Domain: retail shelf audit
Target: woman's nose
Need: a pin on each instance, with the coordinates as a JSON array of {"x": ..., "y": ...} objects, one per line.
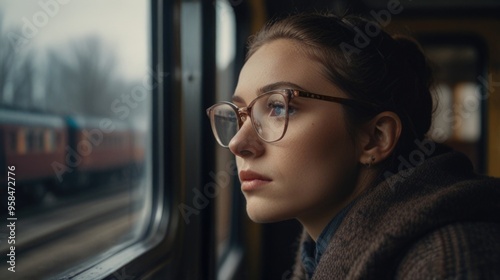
[{"x": 246, "y": 143}]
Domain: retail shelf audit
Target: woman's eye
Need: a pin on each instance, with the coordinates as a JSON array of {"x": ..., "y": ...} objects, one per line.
[{"x": 277, "y": 109}]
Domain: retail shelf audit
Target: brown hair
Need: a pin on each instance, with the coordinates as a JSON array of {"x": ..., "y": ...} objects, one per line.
[{"x": 365, "y": 62}]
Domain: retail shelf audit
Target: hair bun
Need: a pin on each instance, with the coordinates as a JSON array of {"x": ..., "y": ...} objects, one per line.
[
  {"x": 411, "y": 58},
  {"x": 412, "y": 52}
]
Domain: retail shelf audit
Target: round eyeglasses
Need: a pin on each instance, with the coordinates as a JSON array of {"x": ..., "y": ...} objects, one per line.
[{"x": 268, "y": 113}]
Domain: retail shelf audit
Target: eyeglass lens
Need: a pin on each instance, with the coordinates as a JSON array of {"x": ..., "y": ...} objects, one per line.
[
  {"x": 224, "y": 123},
  {"x": 268, "y": 114}
]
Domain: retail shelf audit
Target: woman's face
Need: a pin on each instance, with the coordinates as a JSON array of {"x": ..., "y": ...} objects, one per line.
[{"x": 311, "y": 172}]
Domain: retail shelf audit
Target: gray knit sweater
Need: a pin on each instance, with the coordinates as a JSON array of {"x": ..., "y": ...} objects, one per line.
[{"x": 438, "y": 221}]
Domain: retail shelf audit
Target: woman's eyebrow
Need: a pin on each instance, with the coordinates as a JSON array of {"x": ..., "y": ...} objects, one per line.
[
  {"x": 268, "y": 88},
  {"x": 237, "y": 99},
  {"x": 278, "y": 85}
]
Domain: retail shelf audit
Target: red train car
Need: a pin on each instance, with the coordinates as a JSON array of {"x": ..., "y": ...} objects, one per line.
[
  {"x": 52, "y": 153},
  {"x": 96, "y": 148},
  {"x": 31, "y": 142}
]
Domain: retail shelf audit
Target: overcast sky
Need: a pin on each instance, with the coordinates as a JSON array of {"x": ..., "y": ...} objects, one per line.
[{"x": 122, "y": 24}]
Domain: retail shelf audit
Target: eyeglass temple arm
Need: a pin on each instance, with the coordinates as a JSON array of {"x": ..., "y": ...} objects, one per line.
[{"x": 345, "y": 101}]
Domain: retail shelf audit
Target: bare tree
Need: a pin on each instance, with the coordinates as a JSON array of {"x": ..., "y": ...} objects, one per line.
[
  {"x": 17, "y": 70},
  {"x": 23, "y": 80},
  {"x": 57, "y": 100},
  {"x": 7, "y": 55},
  {"x": 80, "y": 78},
  {"x": 84, "y": 80}
]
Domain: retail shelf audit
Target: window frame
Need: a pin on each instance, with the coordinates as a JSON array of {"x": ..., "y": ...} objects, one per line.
[
  {"x": 183, "y": 155},
  {"x": 177, "y": 167}
]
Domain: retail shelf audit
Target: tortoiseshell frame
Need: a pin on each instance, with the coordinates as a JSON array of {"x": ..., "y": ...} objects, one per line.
[{"x": 288, "y": 94}]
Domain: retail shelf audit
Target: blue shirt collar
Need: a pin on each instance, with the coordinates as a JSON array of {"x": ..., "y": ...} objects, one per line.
[{"x": 312, "y": 251}]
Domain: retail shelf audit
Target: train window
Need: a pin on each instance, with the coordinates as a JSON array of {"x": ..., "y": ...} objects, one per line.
[
  {"x": 38, "y": 137},
  {"x": 458, "y": 115},
  {"x": 13, "y": 141},
  {"x": 21, "y": 144},
  {"x": 50, "y": 141},
  {"x": 46, "y": 143},
  {"x": 30, "y": 140},
  {"x": 75, "y": 92},
  {"x": 57, "y": 139},
  {"x": 40, "y": 142}
]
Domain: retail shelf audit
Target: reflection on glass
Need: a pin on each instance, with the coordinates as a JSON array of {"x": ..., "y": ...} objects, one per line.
[{"x": 75, "y": 92}]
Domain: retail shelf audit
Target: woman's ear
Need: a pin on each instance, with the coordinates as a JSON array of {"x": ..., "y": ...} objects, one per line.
[{"x": 379, "y": 137}]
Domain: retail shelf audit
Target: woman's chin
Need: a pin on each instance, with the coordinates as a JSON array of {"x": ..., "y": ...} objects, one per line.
[{"x": 262, "y": 215}]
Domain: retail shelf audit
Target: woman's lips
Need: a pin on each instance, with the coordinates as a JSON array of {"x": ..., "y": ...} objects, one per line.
[{"x": 251, "y": 180}]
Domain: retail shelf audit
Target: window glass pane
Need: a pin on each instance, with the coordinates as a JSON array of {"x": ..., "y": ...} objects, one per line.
[
  {"x": 13, "y": 141},
  {"x": 75, "y": 94}
]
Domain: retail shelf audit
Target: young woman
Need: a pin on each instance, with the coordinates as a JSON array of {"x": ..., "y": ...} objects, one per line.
[{"x": 328, "y": 127}]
